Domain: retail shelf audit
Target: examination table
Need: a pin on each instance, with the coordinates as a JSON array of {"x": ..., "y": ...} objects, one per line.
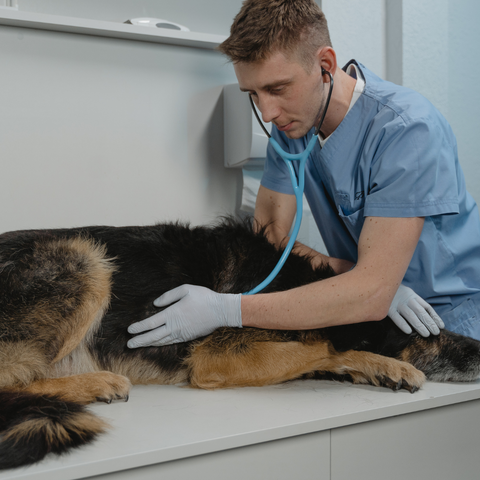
[{"x": 299, "y": 430}]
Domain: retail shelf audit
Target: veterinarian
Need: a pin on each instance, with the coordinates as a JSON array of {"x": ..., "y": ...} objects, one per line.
[{"x": 383, "y": 183}]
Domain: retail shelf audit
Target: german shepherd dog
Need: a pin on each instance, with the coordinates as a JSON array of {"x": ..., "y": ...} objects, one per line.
[{"x": 67, "y": 297}]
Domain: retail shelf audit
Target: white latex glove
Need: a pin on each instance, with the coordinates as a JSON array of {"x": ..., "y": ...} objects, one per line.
[
  {"x": 198, "y": 312},
  {"x": 409, "y": 310}
]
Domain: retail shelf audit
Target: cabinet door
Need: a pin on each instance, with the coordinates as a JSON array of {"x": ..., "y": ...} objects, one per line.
[
  {"x": 436, "y": 444},
  {"x": 305, "y": 457}
]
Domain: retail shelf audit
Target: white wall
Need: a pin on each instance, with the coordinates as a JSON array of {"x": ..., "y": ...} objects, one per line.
[
  {"x": 425, "y": 49},
  {"x": 357, "y": 30},
  {"x": 462, "y": 65},
  {"x": 441, "y": 60},
  {"x": 106, "y": 131}
]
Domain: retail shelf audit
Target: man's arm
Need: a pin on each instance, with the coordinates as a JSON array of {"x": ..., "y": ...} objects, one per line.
[
  {"x": 386, "y": 246},
  {"x": 277, "y": 211}
]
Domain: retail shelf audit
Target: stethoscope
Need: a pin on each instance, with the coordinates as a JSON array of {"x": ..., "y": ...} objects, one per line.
[{"x": 298, "y": 184}]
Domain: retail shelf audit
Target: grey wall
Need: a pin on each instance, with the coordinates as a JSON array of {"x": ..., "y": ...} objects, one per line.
[{"x": 106, "y": 131}]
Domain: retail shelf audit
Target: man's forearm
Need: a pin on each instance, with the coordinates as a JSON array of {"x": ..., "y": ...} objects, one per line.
[
  {"x": 317, "y": 258},
  {"x": 333, "y": 301}
]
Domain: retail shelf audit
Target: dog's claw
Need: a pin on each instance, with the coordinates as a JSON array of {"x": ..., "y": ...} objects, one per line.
[
  {"x": 389, "y": 383},
  {"x": 105, "y": 400},
  {"x": 410, "y": 388},
  {"x": 396, "y": 386}
]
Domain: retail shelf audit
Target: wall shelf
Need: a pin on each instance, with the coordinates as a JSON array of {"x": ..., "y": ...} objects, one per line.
[{"x": 14, "y": 18}]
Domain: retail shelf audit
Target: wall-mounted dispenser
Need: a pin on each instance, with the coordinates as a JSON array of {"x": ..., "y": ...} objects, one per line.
[{"x": 245, "y": 142}]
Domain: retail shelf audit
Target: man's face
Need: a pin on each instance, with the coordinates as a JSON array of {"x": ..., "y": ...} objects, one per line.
[{"x": 284, "y": 92}]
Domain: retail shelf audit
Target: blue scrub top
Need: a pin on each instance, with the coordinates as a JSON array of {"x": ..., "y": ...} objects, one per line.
[{"x": 395, "y": 155}]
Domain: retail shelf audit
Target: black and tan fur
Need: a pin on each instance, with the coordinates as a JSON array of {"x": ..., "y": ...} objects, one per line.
[{"x": 68, "y": 296}]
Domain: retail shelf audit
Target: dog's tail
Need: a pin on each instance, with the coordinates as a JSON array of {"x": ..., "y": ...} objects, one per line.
[
  {"x": 447, "y": 357},
  {"x": 31, "y": 426}
]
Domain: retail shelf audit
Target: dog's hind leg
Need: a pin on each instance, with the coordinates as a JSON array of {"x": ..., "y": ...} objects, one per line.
[
  {"x": 54, "y": 295},
  {"x": 84, "y": 388},
  {"x": 223, "y": 362}
]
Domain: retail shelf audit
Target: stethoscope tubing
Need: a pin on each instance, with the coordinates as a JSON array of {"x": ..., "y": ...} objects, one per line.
[
  {"x": 297, "y": 184},
  {"x": 298, "y": 189}
]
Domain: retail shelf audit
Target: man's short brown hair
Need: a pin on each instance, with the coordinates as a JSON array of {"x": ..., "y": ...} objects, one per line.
[{"x": 263, "y": 27}]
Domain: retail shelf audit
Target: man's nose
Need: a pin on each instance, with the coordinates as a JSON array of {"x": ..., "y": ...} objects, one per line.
[{"x": 269, "y": 108}]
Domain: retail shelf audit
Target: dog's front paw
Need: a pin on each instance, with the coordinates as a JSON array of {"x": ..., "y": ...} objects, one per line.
[
  {"x": 107, "y": 387},
  {"x": 401, "y": 375},
  {"x": 366, "y": 367}
]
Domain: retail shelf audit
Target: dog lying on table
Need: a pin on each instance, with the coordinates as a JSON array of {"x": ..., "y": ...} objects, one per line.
[{"x": 68, "y": 296}]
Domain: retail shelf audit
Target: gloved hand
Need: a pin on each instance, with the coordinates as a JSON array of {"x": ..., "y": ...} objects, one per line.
[
  {"x": 409, "y": 310},
  {"x": 198, "y": 312}
]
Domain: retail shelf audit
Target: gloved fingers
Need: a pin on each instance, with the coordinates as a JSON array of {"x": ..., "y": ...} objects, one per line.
[
  {"x": 420, "y": 311},
  {"x": 149, "y": 339},
  {"x": 171, "y": 296},
  {"x": 168, "y": 340},
  {"x": 400, "y": 322},
  {"x": 412, "y": 318},
  {"x": 431, "y": 311},
  {"x": 149, "y": 323}
]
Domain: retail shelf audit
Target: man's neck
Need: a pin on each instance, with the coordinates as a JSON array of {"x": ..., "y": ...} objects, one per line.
[{"x": 344, "y": 85}]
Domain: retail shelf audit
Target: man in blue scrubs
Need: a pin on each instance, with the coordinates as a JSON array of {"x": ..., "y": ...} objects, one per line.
[{"x": 384, "y": 185}]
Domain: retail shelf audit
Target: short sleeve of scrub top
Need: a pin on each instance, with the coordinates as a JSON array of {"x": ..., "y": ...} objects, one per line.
[{"x": 411, "y": 172}]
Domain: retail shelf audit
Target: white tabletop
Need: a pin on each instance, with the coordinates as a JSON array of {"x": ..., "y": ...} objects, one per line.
[{"x": 162, "y": 423}]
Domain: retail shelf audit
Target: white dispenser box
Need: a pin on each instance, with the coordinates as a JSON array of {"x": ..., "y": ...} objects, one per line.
[{"x": 244, "y": 140}]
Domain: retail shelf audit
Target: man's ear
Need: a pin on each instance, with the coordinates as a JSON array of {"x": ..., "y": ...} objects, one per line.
[{"x": 327, "y": 59}]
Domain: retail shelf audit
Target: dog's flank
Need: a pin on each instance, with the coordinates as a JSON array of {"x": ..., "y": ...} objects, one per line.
[
  {"x": 69, "y": 295},
  {"x": 54, "y": 295}
]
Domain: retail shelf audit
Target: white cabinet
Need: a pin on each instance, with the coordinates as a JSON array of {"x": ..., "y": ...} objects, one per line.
[{"x": 302, "y": 430}]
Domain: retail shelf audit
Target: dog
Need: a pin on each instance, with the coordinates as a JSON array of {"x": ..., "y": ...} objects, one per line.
[{"x": 67, "y": 297}]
